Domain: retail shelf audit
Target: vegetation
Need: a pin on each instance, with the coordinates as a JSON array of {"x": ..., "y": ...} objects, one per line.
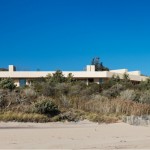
[
  {"x": 23, "y": 117},
  {"x": 56, "y": 98},
  {"x": 3, "y": 69},
  {"x": 7, "y": 84},
  {"x": 46, "y": 106},
  {"x": 98, "y": 65}
]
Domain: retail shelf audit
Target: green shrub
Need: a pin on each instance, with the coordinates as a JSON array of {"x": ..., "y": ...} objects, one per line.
[
  {"x": 7, "y": 83},
  {"x": 113, "y": 91},
  {"x": 2, "y": 101},
  {"x": 46, "y": 106},
  {"x": 37, "y": 84},
  {"x": 57, "y": 77}
]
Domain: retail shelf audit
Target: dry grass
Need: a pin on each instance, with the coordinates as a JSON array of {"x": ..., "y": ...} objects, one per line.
[
  {"x": 116, "y": 106},
  {"x": 102, "y": 118},
  {"x": 23, "y": 117}
]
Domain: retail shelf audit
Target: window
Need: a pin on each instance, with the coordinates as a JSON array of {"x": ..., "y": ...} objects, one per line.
[
  {"x": 90, "y": 80},
  {"x": 22, "y": 82},
  {"x": 101, "y": 80}
]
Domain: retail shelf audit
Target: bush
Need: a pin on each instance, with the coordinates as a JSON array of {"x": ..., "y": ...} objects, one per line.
[
  {"x": 14, "y": 98},
  {"x": 70, "y": 115},
  {"x": 145, "y": 97},
  {"x": 48, "y": 90},
  {"x": 144, "y": 85},
  {"x": 92, "y": 88},
  {"x": 113, "y": 91},
  {"x": 63, "y": 88},
  {"x": 77, "y": 89},
  {"x": 128, "y": 95},
  {"x": 102, "y": 118},
  {"x": 29, "y": 93},
  {"x": 37, "y": 84},
  {"x": 57, "y": 77},
  {"x": 7, "y": 83},
  {"x": 46, "y": 106},
  {"x": 2, "y": 101},
  {"x": 63, "y": 101}
]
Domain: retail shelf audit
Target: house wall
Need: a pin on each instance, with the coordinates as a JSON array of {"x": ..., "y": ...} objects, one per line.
[
  {"x": 16, "y": 81},
  {"x": 90, "y": 73}
]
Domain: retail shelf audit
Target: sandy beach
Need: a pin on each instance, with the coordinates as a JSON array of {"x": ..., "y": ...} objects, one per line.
[{"x": 71, "y": 135}]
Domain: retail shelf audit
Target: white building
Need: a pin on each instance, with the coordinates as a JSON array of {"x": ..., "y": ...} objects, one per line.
[{"x": 22, "y": 78}]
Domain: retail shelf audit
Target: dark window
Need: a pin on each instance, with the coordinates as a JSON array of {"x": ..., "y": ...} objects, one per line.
[
  {"x": 22, "y": 82},
  {"x": 101, "y": 80},
  {"x": 91, "y": 80}
]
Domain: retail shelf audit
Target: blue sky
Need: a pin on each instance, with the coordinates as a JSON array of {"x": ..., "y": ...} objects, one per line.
[{"x": 67, "y": 34}]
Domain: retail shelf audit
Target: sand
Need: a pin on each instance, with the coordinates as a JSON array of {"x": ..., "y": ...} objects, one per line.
[{"x": 71, "y": 135}]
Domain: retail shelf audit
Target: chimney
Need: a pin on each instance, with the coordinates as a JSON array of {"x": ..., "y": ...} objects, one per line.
[
  {"x": 12, "y": 68},
  {"x": 90, "y": 68}
]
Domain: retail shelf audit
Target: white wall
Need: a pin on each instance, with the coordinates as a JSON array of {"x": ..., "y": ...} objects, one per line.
[{"x": 90, "y": 73}]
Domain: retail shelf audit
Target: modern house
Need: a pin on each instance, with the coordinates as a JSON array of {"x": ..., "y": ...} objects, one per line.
[{"x": 22, "y": 78}]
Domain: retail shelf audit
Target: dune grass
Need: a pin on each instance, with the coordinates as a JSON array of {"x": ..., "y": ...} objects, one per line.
[
  {"x": 117, "y": 107},
  {"x": 23, "y": 117}
]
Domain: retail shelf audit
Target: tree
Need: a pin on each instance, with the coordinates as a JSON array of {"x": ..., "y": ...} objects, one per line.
[
  {"x": 126, "y": 81},
  {"x": 114, "y": 80},
  {"x": 57, "y": 77},
  {"x": 98, "y": 65},
  {"x": 70, "y": 78},
  {"x": 7, "y": 83}
]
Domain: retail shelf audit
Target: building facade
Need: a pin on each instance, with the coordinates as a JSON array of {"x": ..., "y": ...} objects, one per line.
[{"x": 22, "y": 78}]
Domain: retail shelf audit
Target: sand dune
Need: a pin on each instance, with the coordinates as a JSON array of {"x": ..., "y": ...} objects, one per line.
[{"x": 80, "y": 135}]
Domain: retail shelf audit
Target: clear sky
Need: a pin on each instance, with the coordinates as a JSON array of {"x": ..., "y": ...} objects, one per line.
[{"x": 67, "y": 34}]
